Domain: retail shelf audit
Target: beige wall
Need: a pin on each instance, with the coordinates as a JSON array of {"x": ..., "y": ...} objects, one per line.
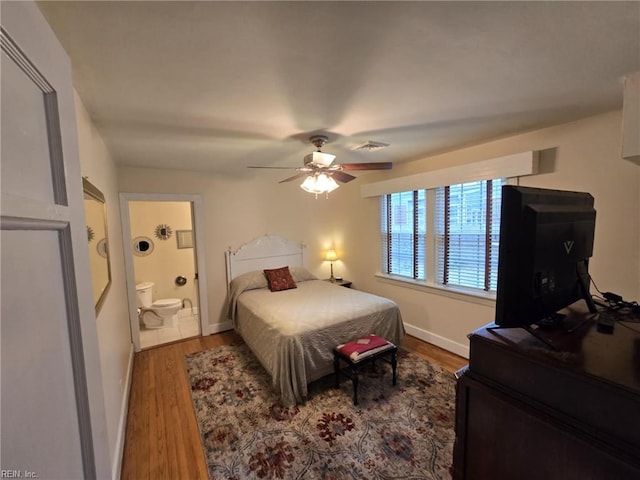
[
  {"x": 114, "y": 337},
  {"x": 582, "y": 155},
  {"x": 166, "y": 261}
]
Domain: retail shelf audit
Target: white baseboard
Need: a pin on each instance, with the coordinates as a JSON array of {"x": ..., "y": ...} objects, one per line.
[
  {"x": 438, "y": 341},
  {"x": 220, "y": 327},
  {"x": 122, "y": 424}
]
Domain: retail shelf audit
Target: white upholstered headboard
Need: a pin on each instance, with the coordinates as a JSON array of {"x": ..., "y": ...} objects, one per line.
[{"x": 268, "y": 251}]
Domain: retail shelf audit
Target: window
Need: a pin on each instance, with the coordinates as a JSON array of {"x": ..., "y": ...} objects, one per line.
[
  {"x": 462, "y": 232},
  {"x": 403, "y": 228},
  {"x": 467, "y": 218}
]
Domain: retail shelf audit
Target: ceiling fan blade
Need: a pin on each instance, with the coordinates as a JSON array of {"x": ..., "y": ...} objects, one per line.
[
  {"x": 368, "y": 166},
  {"x": 342, "y": 177},
  {"x": 290, "y": 179}
]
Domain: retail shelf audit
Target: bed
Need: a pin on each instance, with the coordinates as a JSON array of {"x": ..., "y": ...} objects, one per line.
[{"x": 292, "y": 332}]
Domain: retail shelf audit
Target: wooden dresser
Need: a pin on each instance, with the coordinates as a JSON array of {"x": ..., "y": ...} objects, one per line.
[{"x": 528, "y": 411}]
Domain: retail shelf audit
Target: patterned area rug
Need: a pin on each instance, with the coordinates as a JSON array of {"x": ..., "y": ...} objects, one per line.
[{"x": 397, "y": 432}]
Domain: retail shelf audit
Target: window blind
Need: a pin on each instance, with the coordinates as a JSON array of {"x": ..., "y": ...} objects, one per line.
[
  {"x": 467, "y": 234},
  {"x": 403, "y": 232}
]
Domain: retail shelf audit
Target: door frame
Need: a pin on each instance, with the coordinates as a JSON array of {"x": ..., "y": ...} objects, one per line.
[{"x": 198, "y": 227}]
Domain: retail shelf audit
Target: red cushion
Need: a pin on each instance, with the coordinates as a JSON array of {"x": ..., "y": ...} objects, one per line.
[
  {"x": 364, "y": 347},
  {"x": 279, "y": 279}
]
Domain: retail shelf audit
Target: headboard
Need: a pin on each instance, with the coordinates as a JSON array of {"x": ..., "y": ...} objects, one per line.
[{"x": 268, "y": 251}]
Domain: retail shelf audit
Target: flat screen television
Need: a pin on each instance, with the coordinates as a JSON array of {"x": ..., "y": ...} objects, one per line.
[{"x": 546, "y": 240}]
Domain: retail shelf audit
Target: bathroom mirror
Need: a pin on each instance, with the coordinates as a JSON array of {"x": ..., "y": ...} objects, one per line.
[{"x": 96, "y": 216}]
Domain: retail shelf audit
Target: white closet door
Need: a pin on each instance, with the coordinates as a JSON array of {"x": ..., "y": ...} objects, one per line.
[{"x": 46, "y": 425}]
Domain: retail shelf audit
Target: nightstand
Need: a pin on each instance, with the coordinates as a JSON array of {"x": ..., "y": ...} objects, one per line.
[{"x": 342, "y": 283}]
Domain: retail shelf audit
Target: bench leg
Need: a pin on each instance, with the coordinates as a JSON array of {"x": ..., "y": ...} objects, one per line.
[
  {"x": 394, "y": 364},
  {"x": 354, "y": 369},
  {"x": 355, "y": 380}
]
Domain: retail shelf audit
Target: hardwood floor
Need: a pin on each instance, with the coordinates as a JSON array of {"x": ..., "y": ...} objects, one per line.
[
  {"x": 162, "y": 438},
  {"x": 433, "y": 354}
]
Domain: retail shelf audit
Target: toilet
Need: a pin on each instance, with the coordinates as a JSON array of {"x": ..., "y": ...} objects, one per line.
[{"x": 159, "y": 314}]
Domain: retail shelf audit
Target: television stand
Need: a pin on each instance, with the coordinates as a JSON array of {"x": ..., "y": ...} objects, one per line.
[{"x": 528, "y": 412}]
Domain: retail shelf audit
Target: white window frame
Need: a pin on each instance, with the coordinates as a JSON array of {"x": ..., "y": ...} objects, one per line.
[
  {"x": 475, "y": 295},
  {"x": 510, "y": 167}
]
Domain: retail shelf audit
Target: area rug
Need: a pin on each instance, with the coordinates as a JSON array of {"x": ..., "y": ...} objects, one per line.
[{"x": 397, "y": 432}]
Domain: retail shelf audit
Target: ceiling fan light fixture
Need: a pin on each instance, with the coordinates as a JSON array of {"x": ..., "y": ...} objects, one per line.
[
  {"x": 320, "y": 172},
  {"x": 319, "y": 184}
]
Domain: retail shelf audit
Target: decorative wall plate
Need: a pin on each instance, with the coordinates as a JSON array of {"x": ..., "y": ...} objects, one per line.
[{"x": 163, "y": 232}]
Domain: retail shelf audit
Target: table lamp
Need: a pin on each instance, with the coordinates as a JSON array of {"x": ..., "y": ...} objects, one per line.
[{"x": 331, "y": 257}]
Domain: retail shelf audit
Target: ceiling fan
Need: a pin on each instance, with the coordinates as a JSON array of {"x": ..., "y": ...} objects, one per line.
[{"x": 318, "y": 163}]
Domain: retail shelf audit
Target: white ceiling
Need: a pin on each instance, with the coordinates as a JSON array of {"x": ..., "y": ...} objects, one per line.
[{"x": 219, "y": 86}]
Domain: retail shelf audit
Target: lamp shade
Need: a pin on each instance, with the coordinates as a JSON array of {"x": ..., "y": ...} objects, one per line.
[
  {"x": 331, "y": 256},
  {"x": 319, "y": 183},
  {"x": 309, "y": 184}
]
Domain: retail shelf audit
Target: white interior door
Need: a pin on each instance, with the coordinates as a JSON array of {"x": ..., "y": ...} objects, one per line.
[{"x": 46, "y": 412}]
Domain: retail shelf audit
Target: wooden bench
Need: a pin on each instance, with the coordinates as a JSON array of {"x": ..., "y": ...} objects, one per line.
[{"x": 358, "y": 353}]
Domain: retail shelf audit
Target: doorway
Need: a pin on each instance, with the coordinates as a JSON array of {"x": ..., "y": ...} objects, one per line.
[{"x": 161, "y": 238}]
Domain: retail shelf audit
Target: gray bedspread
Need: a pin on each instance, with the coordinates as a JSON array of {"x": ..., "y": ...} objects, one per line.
[{"x": 293, "y": 332}]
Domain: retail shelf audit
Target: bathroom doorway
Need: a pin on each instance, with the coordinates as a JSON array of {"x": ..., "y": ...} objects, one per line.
[{"x": 164, "y": 268}]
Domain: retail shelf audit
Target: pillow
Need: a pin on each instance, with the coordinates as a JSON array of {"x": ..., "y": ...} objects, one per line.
[
  {"x": 279, "y": 279},
  {"x": 301, "y": 274},
  {"x": 248, "y": 281}
]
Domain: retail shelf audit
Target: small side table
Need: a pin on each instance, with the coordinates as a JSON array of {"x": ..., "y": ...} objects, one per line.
[
  {"x": 353, "y": 368},
  {"x": 342, "y": 283}
]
